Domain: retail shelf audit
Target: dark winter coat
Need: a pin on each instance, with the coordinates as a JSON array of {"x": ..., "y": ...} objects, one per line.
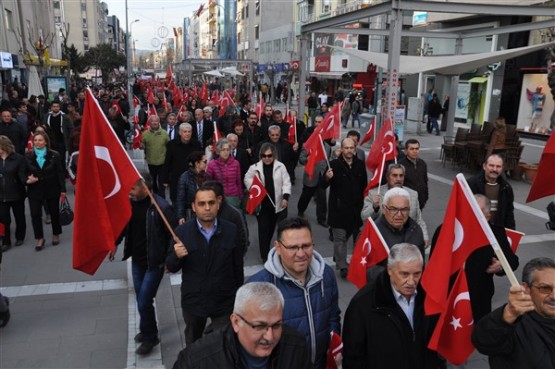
[
  {"x": 176, "y": 162},
  {"x": 51, "y": 177},
  {"x": 13, "y": 174}
]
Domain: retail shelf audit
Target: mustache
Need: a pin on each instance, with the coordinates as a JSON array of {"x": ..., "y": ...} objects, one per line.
[{"x": 263, "y": 342}]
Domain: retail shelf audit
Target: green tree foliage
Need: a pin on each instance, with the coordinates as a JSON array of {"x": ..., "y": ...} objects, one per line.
[
  {"x": 105, "y": 59},
  {"x": 75, "y": 60}
]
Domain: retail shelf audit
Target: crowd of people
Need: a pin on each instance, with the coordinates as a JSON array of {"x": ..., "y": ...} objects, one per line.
[{"x": 202, "y": 158}]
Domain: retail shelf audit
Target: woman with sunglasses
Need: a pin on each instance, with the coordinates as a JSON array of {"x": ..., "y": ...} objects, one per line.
[
  {"x": 45, "y": 183},
  {"x": 273, "y": 175}
]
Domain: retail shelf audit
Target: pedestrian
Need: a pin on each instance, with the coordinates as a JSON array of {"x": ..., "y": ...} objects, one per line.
[
  {"x": 273, "y": 175},
  {"x": 434, "y": 112},
  {"x": 188, "y": 184},
  {"x": 416, "y": 171},
  {"x": 60, "y": 128},
  {"x": 154, "y": 141},
  {"x": 225, "y": 169}
]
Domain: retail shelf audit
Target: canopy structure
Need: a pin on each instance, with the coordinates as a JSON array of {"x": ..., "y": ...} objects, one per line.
[
  {"x": 451, "y": 65},
  {"x": 215, "y": 73},
  {"x": 231, "y": 71},
  {"x": 35, "y": 88}
]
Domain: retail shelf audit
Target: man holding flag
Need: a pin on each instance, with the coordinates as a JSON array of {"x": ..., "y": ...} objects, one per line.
[{"x": 385, "y": 325}]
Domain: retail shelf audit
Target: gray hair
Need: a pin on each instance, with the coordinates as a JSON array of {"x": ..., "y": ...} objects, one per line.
[
  {"x": 264, "y": 295},
  {"x": 231, "y": 135},
  {"x": 207, "y": 109},
  {"x": 529, "y": 270},
  {"x": 396, "y": 191},
  {"x": 274, "y": 127},
  {"x": 404, "y": 253},
  {"x": 220, "y": 144},
  {"x": 153, "y": 117},
  {"x": 483, "y": 200},
  {"x": 265, "y": 147},
  {"x": 171, "y": 115},
  {"x": 392, "y": 166},
  {"x": 182, "y": 126}
]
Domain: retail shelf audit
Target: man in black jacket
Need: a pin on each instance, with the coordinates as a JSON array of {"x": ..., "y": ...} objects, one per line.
[
  {"x": 521, "y": 334},
  {"x": 385, "y": 325},
  {"x": 147, "y": 241},
  {"x": 490, "y": 182},
  {"x": 347, "y": 180},
  {"x": 256, "y": 336},
  {"x": 416, "y": 171},
  {"x": 210, "y": 257},
  {"x": 14, "y": 131}
]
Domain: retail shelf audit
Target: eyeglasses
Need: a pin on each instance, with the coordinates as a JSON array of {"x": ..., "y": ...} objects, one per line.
[
  {"x": 544, "y": 289},
  {"x": 262, "y": 327},
  {"x": 395, "y": 210},
  {"x": 266, "y": 156},
  {"x": 297, "y": 248}
]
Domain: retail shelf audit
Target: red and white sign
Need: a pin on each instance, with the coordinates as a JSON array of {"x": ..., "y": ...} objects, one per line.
[
  {"x": 322, "y": 63},
  {"x": 295, "y": 65}
]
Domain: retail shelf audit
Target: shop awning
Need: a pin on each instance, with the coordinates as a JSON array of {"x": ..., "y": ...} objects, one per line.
[
  {"x": 447, "y": 65},
  {"x": 34, "y": 60},
  {"x": 327, "y": 75},
  {"x": 478, "y": 80}
]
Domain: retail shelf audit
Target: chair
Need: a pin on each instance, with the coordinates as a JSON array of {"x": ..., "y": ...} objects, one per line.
[
  {"x": 460, "y": 145},
  {"x": 513, "y": 157},
  {"x": 447, "y": 149}
]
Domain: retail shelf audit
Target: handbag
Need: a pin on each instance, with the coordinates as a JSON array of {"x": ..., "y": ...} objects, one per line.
[{"x": 66, "y": 214}]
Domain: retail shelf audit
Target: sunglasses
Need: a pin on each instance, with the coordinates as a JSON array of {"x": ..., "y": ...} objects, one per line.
[{"x": 264, "y": 156}]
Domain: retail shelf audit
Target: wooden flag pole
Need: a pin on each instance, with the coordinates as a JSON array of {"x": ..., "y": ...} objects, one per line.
[
  {"x": 324, "y": 150},
  {"x": 381, "y": 174}
]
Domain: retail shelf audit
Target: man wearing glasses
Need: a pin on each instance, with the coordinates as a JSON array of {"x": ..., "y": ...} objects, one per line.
[
  {"x": 394, "y": 224},
  {"x": 521, "y": 334},
  {"x": 256, "y": 337},
  {"x": 308, "y": 285}
]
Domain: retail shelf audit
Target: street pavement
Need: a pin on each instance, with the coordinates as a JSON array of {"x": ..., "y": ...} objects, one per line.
[{"x": 62, "y": 318}]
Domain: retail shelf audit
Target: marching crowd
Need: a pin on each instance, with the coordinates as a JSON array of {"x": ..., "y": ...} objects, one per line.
[{"x": 208, "y": 149}]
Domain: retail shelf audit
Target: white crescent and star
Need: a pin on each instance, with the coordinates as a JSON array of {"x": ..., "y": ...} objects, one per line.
[
  {"x": 102, "y": 153},
  {"x": 459, "y": 235},
  {"x": 257, "y": 188},
  {"x": 456, "y": 322},
  {"x": 365, "y": 246}
]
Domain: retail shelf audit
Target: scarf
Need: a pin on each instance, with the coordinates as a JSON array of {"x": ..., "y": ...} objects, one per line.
[{"x": 41, "y": 154}]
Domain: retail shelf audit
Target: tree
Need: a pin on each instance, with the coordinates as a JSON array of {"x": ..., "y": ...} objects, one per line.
[
  {"x": 75, "y": 60},
  {"x": 105, "y": 58}
]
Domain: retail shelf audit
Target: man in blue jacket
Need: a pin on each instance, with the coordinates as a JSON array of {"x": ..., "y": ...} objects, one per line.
[{"x": 307, "y": 284}]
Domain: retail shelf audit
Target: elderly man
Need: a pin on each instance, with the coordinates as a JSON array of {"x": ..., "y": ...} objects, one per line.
[
  {"x": 490, "y": 182},
  {"x": 385, "y": 325},
  {"x": 521, "y": 334},
  {"x": 241, "y": 155},
  {"x": 255, "y": 338},
  {"x": 394, "y": 224},
  {"x": 395, "y": 176},
  {"x": 203, "y": 129},
  {"x": 170, "y": 126},
  {"x": 154, "y": 141},
  {"x": 347, "y": 180},
  {"x": 308, "y": 286},
  {"x": 176, "y": 154},
  {"x": 210, "y": 257}
]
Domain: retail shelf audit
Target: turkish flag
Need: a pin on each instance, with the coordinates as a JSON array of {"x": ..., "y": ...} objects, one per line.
[
  {"x": 204, "y": 93},
  {"x": 2, "y": 230},
  {"x": 137, "y": 137},
  {"x": 369, "y": 250},
  {"x": 335, "y": 348},
  {"x": 331, "y": 125},
  {"x": 29, "y": 142},
  {"x": 514, "y": 238},
  {"x": 316, "y": 153},
  {"x": 136, "y": 101},
  {"x": 225, "y": 100},
  {"x": 166, "y": 105},
  {"x": 377, "y": 174},
  {"x": 370, "y": 133},
  {"x": 452, "y": 335},
  {"x": 257, "y": 193},
  {"x": 461, "y": 234},
  {"x": 259, "y": 108},
  {"x": 216, "y": 97},
  {"x": 383, "y": 145},
  {"x": 102, "y": 208},
  {"x": 169, "y": 74},
  {"x": 292, "y": 134},
  {"x": 181, "y": 113},
  {"x": 150, "y": 97},
  {"x": 177, "y": 96},
  {"x": 543, "y": 184}
]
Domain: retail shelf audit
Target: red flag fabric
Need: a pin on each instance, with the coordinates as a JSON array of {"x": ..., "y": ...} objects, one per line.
[
  {"x": 331, "y": 125},
  {"x": 150, "y": 97},
  {"x": 169, "y": 74},
  {"x": 204, "y": 93},
  {"x": 514, "y": 238},
  {"x": 292, "y": 134},
  {"x": 216, "y": 97},
  {"x": 316, "y": 154},
  {"x": 29, "y": 142},
  {"x": 225, "y": 101},
  {"x": 260, "y": 108},
  {"x": 216, "y": 136},
  {"x": 335, "y": 348},
  {"x": 461, "y": 234},
  {"x": 543, "y": 184},
  {"x": 166, "y": 104},
  {"x": 452, "y": 335},
  {"x": 2, "y": 230},
  {"x": 369, "y": 250},
  {"x": 136, "y": 101},
  {"x": 181, "y": 113},
  {"x": 370, "y": 133},
  {"x": 177, "y": 96},
  {"x": 115, "y": 105},
  {"x": 383, "y": 145},
  {"x": 102, "y": 207},
  {"x": 377, "y": 174},
  {"x": 257, "y": 192},
  {"x": 137, "y": 137}
]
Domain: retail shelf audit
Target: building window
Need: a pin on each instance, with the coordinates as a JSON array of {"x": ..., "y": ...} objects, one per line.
[
  {"x": 256, "y": 32},
  {"x": 84, "y": 20},
  {"x": 257, "y": 7},
  {"x": 84, "y": 7},
  {"x": 277, "y": 46},
  {"x": 238, "y": 37},
  {"x": 326, "y": 6},
  {"x": 246, "y": 10},
  {"x": 284, "y": 44},
  {"x": 58, "y": 19},
  {"x": 85, "y": 33},
  {"x": 269, "y": 49},
  {"x": 86, "y": 47},
  {"x": 9, "y": 19},
  {"x": 56, "y": 5}
]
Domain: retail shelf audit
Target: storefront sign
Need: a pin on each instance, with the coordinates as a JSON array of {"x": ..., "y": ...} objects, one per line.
[
  {"x": 6, "y": 60},
  {"x": 322, "y": 64}
]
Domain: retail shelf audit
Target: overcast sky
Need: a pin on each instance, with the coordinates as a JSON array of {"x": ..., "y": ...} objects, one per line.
[{"x": 153, "y": 14}]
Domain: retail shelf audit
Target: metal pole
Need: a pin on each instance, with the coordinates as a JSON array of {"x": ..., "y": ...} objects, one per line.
[
  {"x": 304, "y": 63},
  {"x": 127, "y": 48},
  {"x": 453, "y": 94}
]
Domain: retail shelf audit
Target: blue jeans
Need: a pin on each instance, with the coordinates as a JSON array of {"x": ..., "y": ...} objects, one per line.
[
  {"x": 356, "y": 118},
  {"x": 435, "y": 125},
  {"x": 146, "y": 282}
]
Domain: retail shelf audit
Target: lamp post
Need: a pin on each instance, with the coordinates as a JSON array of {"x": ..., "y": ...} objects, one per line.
[{"x": 128, "y": 59}]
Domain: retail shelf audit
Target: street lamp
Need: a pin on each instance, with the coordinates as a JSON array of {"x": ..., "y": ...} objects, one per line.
[
  {"x": 128, "y": 59},
  {"x": 130, "y": 64}
]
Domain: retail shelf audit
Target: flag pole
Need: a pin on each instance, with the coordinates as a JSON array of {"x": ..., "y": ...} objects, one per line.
[
  {"x": 381, "y": 173},
  {"x": 487, "y": 230},
  {"x": 324, "y": 150},
  {"x": 379, "y": 234},
  {"x": 161, "y": 213}
]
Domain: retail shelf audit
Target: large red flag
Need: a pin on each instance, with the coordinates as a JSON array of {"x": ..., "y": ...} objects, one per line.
[
  {"x": 102, "y": 207},
  {"x": 461, "y": 234},
  {"x": 369, "y": 250},
  {"x": 543, "y": 184},
  {"x": 335, "y": 348},
  {"x": 370, "y": 133},
  {"x": 377, "y": 174},
  {"x": 257, "y": 193},
  {"x": 216, "y": 97},
  {"x": 514, "y": 238},
  {"x": 137, "y": 137},
  {"x": 225, "y": 101},
  {"x": 452, "y": 335},
  {"x": 383, "y": 145},
  {"x": 150, "y": 96},
  {"x": 292, "y": 133},
  {"x": 331, "y": 125},
  {"x": 316, "y": 153}
]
